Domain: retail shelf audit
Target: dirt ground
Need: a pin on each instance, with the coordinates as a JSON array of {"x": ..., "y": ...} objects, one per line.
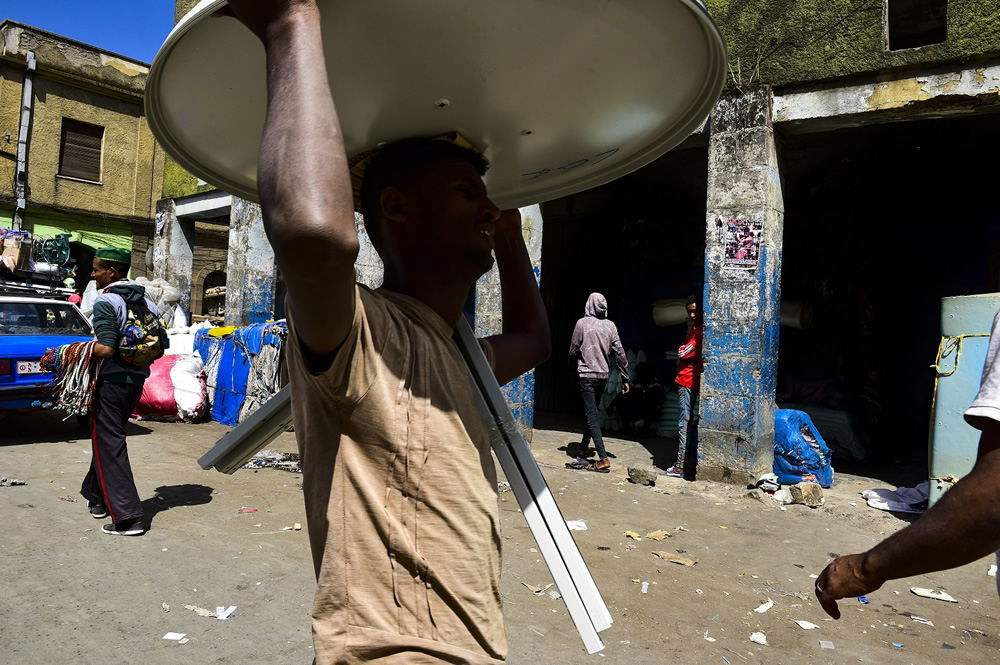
[{"x": 72, "y": 594}]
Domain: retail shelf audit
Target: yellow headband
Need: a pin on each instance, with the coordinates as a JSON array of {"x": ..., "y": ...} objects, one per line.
[{"x": 359, "y": 163}]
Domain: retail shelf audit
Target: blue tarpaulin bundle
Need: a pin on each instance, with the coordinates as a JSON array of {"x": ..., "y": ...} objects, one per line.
[
  {"x": 232, "y": 354},
  {"x": 799, "y": 450}
]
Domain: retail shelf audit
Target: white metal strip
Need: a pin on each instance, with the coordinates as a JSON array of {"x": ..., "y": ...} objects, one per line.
[{"x": 523, "y": 466}]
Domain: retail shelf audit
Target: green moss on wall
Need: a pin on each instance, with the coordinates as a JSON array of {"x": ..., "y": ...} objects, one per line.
[
  {"x": 177, "y": 182},
  {"x": 796, "y": 41}
]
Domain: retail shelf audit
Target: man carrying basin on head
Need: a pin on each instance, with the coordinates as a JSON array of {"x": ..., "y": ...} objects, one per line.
[{"x": 399, "y": 483}]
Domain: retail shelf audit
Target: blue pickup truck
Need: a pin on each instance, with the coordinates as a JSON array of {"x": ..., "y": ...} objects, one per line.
[{"x": 28, "y": 327}]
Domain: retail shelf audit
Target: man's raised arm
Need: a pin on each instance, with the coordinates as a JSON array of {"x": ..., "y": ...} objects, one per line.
[
  {"x": 303, "y": 177},
  {"x": 526, "y": 340}
]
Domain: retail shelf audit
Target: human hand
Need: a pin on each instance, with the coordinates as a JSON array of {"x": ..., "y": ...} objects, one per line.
[
  {"x": 510, "y": 220},
  {"x": 843, "y": 578},
  {"x": 261, "y": 15},
  {"x": 625, "y": 389}
]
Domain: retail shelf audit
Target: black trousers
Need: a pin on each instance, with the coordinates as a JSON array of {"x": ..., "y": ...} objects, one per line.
[
  {"x": 109, "y": 481},
  {"x": 591, "y": 390}
]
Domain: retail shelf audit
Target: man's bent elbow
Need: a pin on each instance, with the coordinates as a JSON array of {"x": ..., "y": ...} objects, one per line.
[
  {"x": 542, "y": 351},
  {"x": 307, "y": 252}
]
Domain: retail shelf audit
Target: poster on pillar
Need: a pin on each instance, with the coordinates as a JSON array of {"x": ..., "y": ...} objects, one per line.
[{"x": 742, "y": 241}]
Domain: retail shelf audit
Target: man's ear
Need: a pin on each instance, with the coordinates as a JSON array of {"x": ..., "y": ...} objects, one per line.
[{"x": 393, "y": 203}]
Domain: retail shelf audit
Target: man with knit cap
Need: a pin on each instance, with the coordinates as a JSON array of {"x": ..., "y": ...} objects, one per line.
[
  {"x": 109, "y": 486},
  {"x": 595, "y": 337}
]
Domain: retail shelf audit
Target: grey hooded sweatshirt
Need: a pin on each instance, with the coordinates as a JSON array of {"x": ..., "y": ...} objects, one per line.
[
  {"x": 594, "y": 338},
  {"x": 110, "y": 314}
]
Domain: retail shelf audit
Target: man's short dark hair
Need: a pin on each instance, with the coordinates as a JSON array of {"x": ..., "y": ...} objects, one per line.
[
  {"x": 122, "y": 268},
  {"x": 692, "y": 300},
  {"x": 395, "y": 163}
]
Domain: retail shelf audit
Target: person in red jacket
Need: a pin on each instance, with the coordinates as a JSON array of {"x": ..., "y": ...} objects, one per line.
[{"x": 688, "y": 382}]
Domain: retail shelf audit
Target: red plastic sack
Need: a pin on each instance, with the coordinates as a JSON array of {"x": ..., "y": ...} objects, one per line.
[{"x": 158, "y": 392}]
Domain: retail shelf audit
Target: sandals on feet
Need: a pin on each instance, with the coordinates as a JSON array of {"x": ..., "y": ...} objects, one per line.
[
  {"x": 596, "y": 469},
  {"x": 578, "y": 463}
]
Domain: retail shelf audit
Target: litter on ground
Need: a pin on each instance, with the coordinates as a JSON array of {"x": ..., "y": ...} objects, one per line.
[
  {"x": 764, "y": 607},
  {"x": 200, "y": 611},
  {"x": 758, "y": 638},
  {"x": 538, "y": 591},
  {"x": 673, "y": 558},
  {"x": 806, "y": 625},
  {"x": 931, "y": 593}
]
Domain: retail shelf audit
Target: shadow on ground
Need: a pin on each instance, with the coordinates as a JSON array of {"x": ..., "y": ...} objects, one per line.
[
  {"x": 662, "y": 450},
  {"x": 175, "y": 496},
  {"x": 890, "y": 468},
  {"x": 46, "y": 426}
]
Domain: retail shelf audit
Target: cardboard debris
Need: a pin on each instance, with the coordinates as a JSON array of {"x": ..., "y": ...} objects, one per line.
[
  {"x": 538, "y": 591},
  {"x": 673, "y": 558},
  {"x": 658, "y": 535},
  {"x": 633, "y": 535},
  {"x": 200, "y": 611}
]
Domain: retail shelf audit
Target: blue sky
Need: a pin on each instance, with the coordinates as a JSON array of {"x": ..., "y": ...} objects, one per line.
[{"x": 134, "y": 28}]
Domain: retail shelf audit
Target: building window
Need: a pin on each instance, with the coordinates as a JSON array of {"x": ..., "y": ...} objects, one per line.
[
  {"x": 915, "y": 23},
  {"x": 80, "y": 150}
]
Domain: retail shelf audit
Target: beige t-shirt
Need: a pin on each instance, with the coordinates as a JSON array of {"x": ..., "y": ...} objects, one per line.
[{"x": 400, "y": 492}]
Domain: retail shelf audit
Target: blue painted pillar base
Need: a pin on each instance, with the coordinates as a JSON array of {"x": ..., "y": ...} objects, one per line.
[
  {"x": 742, "y": 291},
  {"x": 250, "y": 267}
]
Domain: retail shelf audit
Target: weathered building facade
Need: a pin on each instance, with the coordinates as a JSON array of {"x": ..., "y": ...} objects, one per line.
[
  {"x": 845, "y": 152},
  {"x": 76, "y": 153}
]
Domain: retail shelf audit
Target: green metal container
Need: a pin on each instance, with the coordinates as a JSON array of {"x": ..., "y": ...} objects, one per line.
[{"x": 965, "y": 329}]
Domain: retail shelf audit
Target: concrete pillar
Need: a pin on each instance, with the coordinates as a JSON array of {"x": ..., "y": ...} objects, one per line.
[
  {"x": 368, "y": 268},
  {"x": 520, "y": 392},
  {"x": 742, "y": 291},
  {"x": 250, "y": 267},
  {"x": 173, "y": 250}
]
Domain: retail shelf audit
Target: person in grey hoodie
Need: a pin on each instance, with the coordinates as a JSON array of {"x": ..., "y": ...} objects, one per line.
[
  {"x": 595, "y": 338},
  {"x": 109, "y": 486}
]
